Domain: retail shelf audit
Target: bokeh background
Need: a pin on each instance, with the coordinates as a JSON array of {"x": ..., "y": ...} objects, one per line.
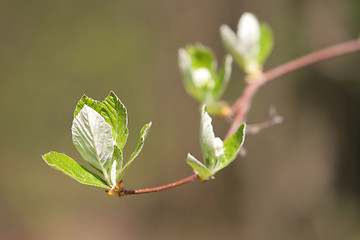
[{"x": 299, "y": 180}]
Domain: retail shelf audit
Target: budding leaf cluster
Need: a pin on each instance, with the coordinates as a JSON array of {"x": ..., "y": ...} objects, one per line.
[
  {"x": 250, "y": 46},
  {"x": 216, "y": 153},
  {"x": 99, "y": 129},
  {"x": 202, "y": 78},
  {"x": 99, "y": 133}
]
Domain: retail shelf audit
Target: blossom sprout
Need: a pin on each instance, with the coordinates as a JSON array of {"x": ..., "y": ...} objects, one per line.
[
  {"x": 219, "y": 147},
  {"x": 201, "y": 77},
  {"x": 250, "y": 45}
]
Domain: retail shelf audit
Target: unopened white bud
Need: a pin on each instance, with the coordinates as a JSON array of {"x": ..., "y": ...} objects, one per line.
[
  {"x": 219, "y": 147},
  {"x": 248, "y": 30},
  {"x": 201, "y": 76}
]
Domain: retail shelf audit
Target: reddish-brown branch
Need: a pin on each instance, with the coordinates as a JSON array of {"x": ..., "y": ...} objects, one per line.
[
  {"x": 242, "y": 105},
  {"x": 164, "y": 187}
]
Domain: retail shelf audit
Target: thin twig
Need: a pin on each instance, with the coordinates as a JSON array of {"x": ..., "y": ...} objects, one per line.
[
  {"x": 242, "y": 105},
  {"x": 273, "y": 119},
  {"x": 160, "y": 188}
]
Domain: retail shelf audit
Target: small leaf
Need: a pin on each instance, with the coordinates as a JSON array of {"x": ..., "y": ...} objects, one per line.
[
  {"x": 266, "y": 43},
  {"x": 113, "y": 173},
  {"x": 202, "y": 171},
  {"x": 223, "y": 77},
  {"x": 232, "y": 146},
  {"x": 143, "y": 134},
  {"x": 230, "y": 42},
  {"x": 114, "y": 113},
  {"x": 185, "y": 66},
  {"x": 85, "y": 100},
  {"x": 117, "y": 162},
  {"x": 73, "y": 169},
  {"x": 92, "y": 137},
  {"x": 207, "y": 137},
  {"x": 201, "y": 57}
]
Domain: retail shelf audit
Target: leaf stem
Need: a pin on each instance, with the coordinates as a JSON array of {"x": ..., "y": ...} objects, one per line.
[
  {"x": 242, "y": 105},
  {"x": 160, "y": 188}
]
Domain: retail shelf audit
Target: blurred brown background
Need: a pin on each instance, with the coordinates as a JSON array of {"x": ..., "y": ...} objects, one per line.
[{"x": 299, "y": 180}]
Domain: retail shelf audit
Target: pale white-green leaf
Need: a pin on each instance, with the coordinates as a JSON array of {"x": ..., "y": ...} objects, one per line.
[
  {"x": 92, "y": 137},
  {"x": 207, "y": 137},
  {"x": 73, "y": 169},
  {"x": 184, "y": 60},
  {"x": 185, "y": 65},
  {"x": 116, "y": 169},
  {"x": 230, "y": 42},
  {"x": 202, "y": 171},
  {"x": 113, "y": 173}
]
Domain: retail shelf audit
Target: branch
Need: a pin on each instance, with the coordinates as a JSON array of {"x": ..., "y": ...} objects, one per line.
[
  {"x": 242, "y": 105},
  {"x": 273, "y": 119},
  {"x": 160, "y": 188}
]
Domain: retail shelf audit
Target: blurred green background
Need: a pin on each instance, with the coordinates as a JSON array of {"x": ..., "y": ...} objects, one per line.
[{"x": 299, "y": 180}]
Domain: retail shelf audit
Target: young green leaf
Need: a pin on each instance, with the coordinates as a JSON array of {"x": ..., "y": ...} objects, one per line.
[
  {"x": 73, "y": 169},
  {"x": 143, "y": 133},
  {"x": 185, "y": 66},
  {"x": 92, "y": 137},
  {"x": 223, "y": 77},
  {"x": 232, "y": 146},
  {"x": 266, "y": 42},
  {"x": 202, "y": 171},
  {"x": 114, "y": 113},
  {"x": 85, "y": 100}
]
